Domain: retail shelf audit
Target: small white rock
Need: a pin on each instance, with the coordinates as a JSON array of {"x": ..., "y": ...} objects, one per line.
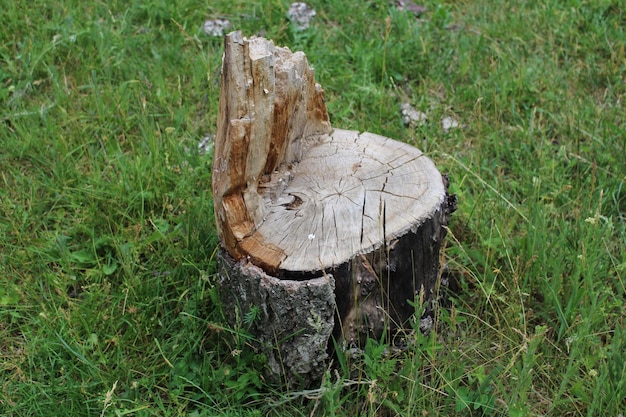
[
  {"x": 206, "y": 144},
  {"x": 311, "y": 236},
  {"x": 417, "y": 10},
  {"x": 216, "y": 27},
  {"x": 300, "y": 14},
  {"x": 412, "y": 117},
  {"x": 449, "y": 123}
]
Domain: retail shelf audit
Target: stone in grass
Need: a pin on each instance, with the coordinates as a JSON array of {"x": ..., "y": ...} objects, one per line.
[
  {"x": 412, "y": 117},
  {"x": 300, "y": 14},
  {"x": 205, "y": 146},
  {"x": 416, "y": 9},
  {"x": 216, "y": 27},
  {"x": 449, "y": 123}
]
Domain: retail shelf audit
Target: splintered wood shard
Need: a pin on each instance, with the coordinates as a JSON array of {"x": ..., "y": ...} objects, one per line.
[{"x": 328, "y": 232}]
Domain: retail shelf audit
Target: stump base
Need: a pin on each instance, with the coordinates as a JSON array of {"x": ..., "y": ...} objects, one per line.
[
  {"x": 324, "y": 232},
  {"x": 294, "y": 321}
]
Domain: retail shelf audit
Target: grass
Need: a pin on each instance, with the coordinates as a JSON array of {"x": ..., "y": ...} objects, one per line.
[{"x": 108, "y": 303}]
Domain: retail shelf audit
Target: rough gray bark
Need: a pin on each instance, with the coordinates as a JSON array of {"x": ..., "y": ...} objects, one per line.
[
  {"x": 295, "y": 318},
  {"x": 326, "y": 232}
]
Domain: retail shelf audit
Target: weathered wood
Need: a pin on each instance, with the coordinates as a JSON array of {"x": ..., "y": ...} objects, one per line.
[
  {"x": 270, "y": 112},
  {"x": 325, "y": 231}
]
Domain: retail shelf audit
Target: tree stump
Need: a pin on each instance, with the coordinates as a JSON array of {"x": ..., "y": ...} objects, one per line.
[{"x": 324, "y": 233}]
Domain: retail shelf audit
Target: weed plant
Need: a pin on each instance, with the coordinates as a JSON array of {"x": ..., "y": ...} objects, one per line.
[{"x": 108, "y": 303}]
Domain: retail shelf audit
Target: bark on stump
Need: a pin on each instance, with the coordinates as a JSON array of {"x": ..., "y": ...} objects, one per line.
[{"x": 324, "y": 232}]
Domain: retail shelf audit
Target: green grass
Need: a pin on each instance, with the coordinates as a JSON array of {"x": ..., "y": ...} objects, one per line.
[{"x": 108, "y": 300}]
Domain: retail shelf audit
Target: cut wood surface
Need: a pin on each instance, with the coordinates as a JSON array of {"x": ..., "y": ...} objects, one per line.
[
  {"x": 328, "y": 232},
  {"x": 347, "y": 195}
]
